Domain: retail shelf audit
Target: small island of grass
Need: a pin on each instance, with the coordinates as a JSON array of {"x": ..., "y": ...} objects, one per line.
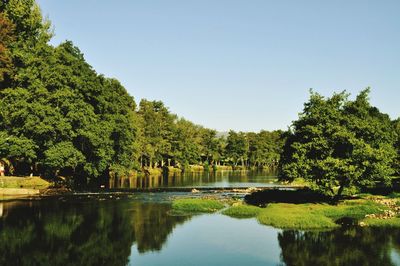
[
  {"x": 197, "y": 205},
  {"x": 242, "y": 211}
]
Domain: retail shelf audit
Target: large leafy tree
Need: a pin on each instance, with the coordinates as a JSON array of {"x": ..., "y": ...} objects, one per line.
[
  {"x": 71, "y": 120},
  {"x": 338, "y": 144}
]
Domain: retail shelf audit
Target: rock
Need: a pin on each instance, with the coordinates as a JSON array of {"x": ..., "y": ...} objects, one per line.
[
  {"x": 362, "y": 224},
  {"x": 251, "y": 189},
  {"x": 195, "y": 191}
]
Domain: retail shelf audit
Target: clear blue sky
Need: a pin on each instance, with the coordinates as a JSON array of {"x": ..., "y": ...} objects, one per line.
[{"x": 238, "y": 64}]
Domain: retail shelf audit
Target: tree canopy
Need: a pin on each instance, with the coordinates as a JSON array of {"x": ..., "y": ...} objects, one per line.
[{"x": 337, "y": 143}]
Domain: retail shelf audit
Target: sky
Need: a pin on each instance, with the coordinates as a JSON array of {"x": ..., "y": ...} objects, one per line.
[{"x": 244, "y": 65}]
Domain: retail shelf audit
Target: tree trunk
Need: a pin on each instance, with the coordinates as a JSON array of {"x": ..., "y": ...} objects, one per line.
[{"x": 339, "y": 193}]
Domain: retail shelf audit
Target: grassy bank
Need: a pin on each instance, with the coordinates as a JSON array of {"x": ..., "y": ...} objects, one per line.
[{"x": 34, "y": 182}]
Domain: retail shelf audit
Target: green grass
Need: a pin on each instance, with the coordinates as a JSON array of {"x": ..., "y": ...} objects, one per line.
[
  {"x": 242, "y": 211},
  {"x": 196, "y": 205},
  {"x": 315, "y": 216},
  {"x": 23, "y": 182},
  {"x": 356, "y": 209},
  {"x": 393, "y": 222},
  {"x": 295, "y": 216}
]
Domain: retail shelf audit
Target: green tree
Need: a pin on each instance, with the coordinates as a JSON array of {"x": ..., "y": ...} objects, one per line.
[
  {"x": 186, "y": 143},
  {"x": 210, "y": 145},
  {"x": 75, "y": 121},
  {"x": 236, "y": 147},
  {"x": 338, "y": 144},
  {"x": 265, "y": 148},
  {"x": 158, "y": 131}
]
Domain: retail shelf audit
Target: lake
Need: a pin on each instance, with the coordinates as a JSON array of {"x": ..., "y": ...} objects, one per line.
[
  {"x": 106, "y": 229},
  {"x": 220, "y": 179}
]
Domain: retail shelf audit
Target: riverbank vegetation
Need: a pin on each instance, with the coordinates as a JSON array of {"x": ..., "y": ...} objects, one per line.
[{"x": 34, "y": 182}]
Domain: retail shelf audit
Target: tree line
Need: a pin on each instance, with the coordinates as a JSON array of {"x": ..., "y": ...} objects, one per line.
[{"x": 59, "y": 117}]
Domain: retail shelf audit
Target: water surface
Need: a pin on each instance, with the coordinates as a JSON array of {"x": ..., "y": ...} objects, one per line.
[
  {"x": 99, "y": 230},
  {"x": 219, "y": 179}
]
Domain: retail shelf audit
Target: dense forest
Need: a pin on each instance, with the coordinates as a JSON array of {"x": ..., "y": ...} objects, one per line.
[{"x": 61, "y": 118}]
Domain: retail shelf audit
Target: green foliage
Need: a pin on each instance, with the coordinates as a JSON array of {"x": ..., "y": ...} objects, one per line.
[
  {"x": 291, "y": 216},
  {"x": 316, "y": 216},
  {"x": 265, "y": 148},
  {"x": 63, "y": 155},
  {"x": 196, "y": 205},
  {"x": 337, "y": 144},
  {"x": 236, "y": 147},
  {"x": 242, "y": 211},
  {"x": 391, "y": 222},
  {"x": 58, "y": 115}
]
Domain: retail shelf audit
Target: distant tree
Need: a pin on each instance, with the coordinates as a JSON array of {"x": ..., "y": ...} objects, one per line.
[
  {"x": 210, "y": 145},
  {"x": 186, "y": 144},
  {"x": 158, "y": 131},
  {"x": 338, "y": 144},
  {"x": 236, "y": 147},
  {"x": 265, "y": 148}
]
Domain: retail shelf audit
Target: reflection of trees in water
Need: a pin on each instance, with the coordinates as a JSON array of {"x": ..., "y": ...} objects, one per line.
[
  {"x": 152, "y": 225},
  {"x": 192, "y": 179},
  {"x": 89, "y": 233},
  {"x": 352, "y": 246}
]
